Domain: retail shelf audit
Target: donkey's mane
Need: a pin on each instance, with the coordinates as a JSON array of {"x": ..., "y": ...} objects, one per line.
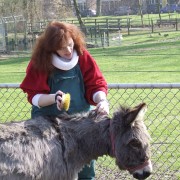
[
  {"x": 92, "y": 115},
  {"x": 80, "y": 116}
]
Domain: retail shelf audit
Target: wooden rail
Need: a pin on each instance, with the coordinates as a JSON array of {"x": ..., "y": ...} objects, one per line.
[{"x": 166, "y": 22}]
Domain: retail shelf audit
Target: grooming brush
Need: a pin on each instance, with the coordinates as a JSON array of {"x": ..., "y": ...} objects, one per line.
[{"x": 66, "y": 98}]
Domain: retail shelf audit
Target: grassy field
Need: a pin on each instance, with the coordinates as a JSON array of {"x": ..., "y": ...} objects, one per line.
[
  {"x": 146, "y": 63},
  {"x": 140, "y": 59}
]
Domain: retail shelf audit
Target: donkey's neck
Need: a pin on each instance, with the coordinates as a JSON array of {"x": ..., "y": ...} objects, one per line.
[{"x": 92, "y": 137}]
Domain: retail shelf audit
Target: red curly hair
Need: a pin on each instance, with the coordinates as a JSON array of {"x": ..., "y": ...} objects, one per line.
[{"x": 51, "y": 40}]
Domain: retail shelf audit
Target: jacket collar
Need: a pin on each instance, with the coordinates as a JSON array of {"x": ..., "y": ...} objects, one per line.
[{"x": 65, "y": 64}]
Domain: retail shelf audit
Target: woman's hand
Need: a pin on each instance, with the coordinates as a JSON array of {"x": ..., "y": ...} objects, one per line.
[
  {"x": 58, "y": 99},
  {"x": 102, "y": 107}
]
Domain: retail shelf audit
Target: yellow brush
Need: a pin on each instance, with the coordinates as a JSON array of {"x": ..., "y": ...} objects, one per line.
[{"x": 66, "y": 98}]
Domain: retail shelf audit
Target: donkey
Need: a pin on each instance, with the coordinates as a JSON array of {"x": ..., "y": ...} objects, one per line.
[{"x": 57, "y": 148}]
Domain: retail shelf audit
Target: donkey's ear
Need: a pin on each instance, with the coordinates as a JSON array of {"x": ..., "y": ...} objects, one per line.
[
  {"x": 142, "y": 108},
  {"x": 136, "y": 114}
]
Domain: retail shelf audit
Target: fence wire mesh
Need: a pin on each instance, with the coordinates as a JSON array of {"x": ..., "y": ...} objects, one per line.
[{"x": 162, "y": 120}]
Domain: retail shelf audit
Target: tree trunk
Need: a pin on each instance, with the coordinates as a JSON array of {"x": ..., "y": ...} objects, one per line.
[
  {"x": 159, "y": 6},
  {"x": 83, "y": 27},
  {"x": 140, "y": 11},
  {"x": 98, "y": 7},
  {"x": 24, "y": 7}
]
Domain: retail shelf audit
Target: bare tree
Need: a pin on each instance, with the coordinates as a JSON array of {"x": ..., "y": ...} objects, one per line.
[
  {"x": 29, "y": 9},
  {"x": 2, "y": 9},
  {"x": 63, "y": 8},
  {"x": 98, "y": 7},
  {"x": 159, "y": 6},
  {"x": 9, "y": 7},
  {"x": 24, "y": 7},
  {"x": 140, "y": 11},
  {"x": 83, "y": 27}
]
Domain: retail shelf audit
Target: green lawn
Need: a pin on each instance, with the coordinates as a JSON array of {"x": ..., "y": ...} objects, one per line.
[
  {"x": 157, "y": 61},
  {"x": 140, "y": 59}
]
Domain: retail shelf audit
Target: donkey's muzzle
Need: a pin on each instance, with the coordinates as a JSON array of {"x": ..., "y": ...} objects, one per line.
[
  {"x": 143, "y": 172},
  {"x": 144, "y": 175}
]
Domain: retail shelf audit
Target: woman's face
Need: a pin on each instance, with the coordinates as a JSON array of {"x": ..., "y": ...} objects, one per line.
[{"x": 66, "y": 50}]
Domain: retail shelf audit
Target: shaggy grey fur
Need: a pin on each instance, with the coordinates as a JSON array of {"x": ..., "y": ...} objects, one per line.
[{"x": 56, "y": 148}]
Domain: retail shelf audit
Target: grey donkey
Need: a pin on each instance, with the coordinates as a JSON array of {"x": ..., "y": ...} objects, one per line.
[{"x": 57, "y": 148}]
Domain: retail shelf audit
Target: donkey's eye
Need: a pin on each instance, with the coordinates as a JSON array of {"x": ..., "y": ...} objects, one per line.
[{"x": 135, "y": 143}]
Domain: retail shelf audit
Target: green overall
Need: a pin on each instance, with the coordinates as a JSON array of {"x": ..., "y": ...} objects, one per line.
[{"x": 70, "y": 81}]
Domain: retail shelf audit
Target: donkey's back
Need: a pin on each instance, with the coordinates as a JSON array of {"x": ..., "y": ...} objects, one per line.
[{"x": 32, "y": 149}]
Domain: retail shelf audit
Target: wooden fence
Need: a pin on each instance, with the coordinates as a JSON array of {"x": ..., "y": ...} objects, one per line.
[{"x": 22, "y": 35}]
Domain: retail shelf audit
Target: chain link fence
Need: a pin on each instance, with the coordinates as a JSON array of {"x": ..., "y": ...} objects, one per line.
[{"x": 162, "y": 120}]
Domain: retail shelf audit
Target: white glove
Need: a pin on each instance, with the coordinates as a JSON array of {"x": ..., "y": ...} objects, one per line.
[{"x": 102, "y": 107}]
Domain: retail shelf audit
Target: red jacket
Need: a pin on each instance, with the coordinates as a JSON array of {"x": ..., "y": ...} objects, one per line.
[{"x": 36, "y": 82}]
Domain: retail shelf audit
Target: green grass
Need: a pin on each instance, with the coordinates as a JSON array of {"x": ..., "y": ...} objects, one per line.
[
  {"x": 139, "y": 59},
  {"x": 13, "y": 69},
  {"x": 145, "y": 62}
]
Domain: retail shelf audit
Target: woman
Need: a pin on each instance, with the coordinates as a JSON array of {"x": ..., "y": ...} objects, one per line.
[{"x": 61, "y": 64}]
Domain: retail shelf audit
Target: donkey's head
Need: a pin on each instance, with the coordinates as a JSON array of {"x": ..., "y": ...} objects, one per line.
[{"x": 130, "y": 141}]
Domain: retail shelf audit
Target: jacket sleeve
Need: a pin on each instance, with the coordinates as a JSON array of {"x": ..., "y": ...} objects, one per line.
[
  {"x": 34, "y": 83},
  {"x": 93, "y": 78}
]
